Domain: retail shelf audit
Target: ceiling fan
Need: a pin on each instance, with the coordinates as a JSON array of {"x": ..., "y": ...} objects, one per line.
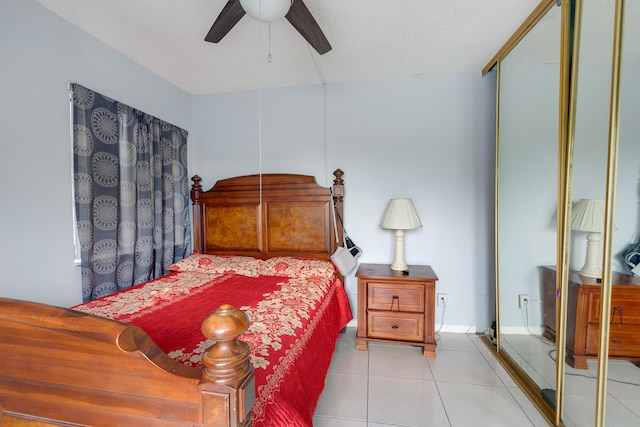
[{"x": 296, "y": 11}]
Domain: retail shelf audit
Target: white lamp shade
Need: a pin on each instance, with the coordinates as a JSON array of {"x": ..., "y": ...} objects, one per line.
[
  {"x": 266, "y": 10},
  {"x": 400, "y": 215},
  {"x": 588, "y": 215}
]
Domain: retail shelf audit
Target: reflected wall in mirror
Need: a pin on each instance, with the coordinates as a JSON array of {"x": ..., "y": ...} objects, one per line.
[
  {"x": 527, "y": 187},
  {"x": 588, "y": 178},
  {"x": 627, "y": 216},
  {"x": 623, "y": 385}
]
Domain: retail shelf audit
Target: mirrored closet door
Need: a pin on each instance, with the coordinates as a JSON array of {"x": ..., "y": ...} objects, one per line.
[
  {"x": 567, "y": 210},
  {"x": 621, "y": 406},
  {"x": 592, "y": 53},
  {"x": 526, "y": 199}
]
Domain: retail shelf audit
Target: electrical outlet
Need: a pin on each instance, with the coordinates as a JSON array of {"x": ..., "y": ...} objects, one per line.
[
  {"x": 523, "y": 299},
  {"x": 442, "y": 299}
]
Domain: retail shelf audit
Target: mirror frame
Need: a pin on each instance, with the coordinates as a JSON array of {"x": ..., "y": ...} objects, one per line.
[{"x": 609, "y": 227}]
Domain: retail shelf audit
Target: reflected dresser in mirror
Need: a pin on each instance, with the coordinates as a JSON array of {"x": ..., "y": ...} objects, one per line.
[{"x": 583, "y": 316}]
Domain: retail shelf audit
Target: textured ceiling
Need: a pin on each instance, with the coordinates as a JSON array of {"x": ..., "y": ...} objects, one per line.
[{"x": 371, "y": 39}]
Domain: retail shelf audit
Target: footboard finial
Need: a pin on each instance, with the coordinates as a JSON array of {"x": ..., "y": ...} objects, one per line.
[{"x": 226, "y": 361}]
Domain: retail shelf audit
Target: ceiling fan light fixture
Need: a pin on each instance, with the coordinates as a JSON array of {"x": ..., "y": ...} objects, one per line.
[{"x": 266, "y": 10}]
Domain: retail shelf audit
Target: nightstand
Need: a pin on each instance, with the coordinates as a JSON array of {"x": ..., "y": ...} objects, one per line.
[
  {"x": 396, "y": 307},
  {"x": 583, "y": 316}
]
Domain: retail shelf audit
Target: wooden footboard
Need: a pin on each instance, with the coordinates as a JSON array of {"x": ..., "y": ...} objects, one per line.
[{"x": 63, "y": 367}]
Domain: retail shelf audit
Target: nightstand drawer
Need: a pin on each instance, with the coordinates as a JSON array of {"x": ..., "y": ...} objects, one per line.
[
  {"x": 625, "y": 308},
  {"x": 396, "y": 326},
  {"x": 395, "y": 297},
  {"x": 624, "y": 340}
]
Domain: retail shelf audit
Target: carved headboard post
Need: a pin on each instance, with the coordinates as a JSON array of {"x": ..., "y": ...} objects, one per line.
[
  {"x": 338, "y": 198},
  {"x": 198, "y": 237}
]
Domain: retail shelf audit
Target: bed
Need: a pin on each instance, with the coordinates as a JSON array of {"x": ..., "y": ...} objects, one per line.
[{"x": 167, "y": 352}]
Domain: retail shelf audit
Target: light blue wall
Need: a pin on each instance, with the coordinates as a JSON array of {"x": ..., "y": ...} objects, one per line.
[
  {"x": 39, "y": 54},
  {"x": 429, "y": 137},
  {"x": 528, "y": 188}
]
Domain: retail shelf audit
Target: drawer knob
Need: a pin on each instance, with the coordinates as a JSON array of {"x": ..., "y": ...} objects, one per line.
[
  {"x": 394, "y": 326},
  {"x": 617, "y": 342}
]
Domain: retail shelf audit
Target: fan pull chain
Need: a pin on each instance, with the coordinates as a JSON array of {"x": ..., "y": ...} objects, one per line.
[{"x": 269, "y": 56}]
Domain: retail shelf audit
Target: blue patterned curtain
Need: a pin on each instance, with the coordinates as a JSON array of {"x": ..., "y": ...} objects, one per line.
[{"x": 131, "y": 193}]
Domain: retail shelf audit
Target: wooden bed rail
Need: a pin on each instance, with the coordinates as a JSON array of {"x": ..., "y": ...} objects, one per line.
[{"x": 63, "y": 367}]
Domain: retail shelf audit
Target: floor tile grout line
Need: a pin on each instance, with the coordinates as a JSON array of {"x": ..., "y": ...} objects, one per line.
[
  {"x": 493, "y": 358},
  {"x": 520, "y": 405},
  {"x": 517, "y": 402},
  {"x": 455, "y": 346},
  {"x": 523, "y": 349},
  {"x": 366, "y": 420},
  {"x": 444, "y": 407}
]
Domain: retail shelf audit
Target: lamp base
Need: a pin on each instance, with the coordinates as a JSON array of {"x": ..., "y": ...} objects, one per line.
[
  {"x": 591, "y": 267},
  {"x": 399, "y": 267},
  {"x": 596, "y": 274},
  {"x": 398, "y": 261}
]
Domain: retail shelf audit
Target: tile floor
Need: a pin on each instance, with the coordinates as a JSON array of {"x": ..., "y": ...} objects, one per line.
[
  {"x": 537, "y": 357},
  {"x": 395, "y": 386}
]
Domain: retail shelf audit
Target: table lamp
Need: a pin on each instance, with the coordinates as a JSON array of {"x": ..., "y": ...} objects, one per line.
[{"x": 400, "y": 215}]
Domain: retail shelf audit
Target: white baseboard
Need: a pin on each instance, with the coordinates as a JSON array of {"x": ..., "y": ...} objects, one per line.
[
  {"x": 521, "y": 330},
  {"x": 457, "y": 329}
]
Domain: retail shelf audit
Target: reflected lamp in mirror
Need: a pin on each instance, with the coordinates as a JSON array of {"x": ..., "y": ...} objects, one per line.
[
  {"x": 266, "y": 10},
  {"x": 400, "y": 215},
  {"x": 588, "y": 215}
]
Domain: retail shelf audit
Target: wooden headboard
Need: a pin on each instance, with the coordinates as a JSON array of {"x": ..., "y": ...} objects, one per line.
[{"x": 266, "y": 215}]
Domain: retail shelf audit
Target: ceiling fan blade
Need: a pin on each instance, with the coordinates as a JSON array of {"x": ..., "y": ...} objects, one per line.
[
  {"x": 302, "y": 20},
  {"x": 230, "y": 15}
]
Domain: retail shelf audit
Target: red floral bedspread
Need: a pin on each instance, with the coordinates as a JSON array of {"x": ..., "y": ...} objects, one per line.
[{"x": 294, "y": 326}]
